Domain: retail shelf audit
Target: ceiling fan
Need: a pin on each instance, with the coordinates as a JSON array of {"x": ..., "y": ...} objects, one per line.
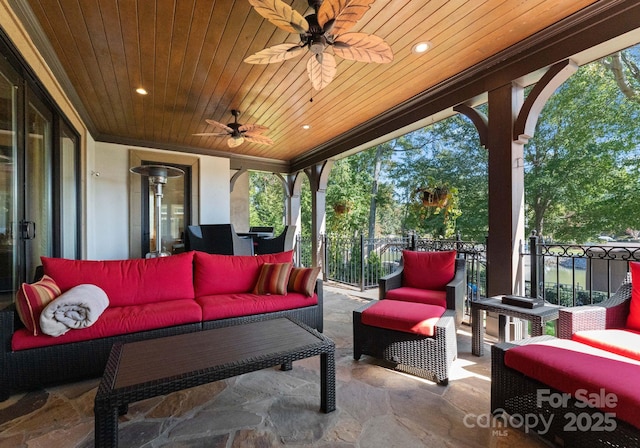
[
  {"x": 326, "y": 28},
  {"x": 238, "y": 133}
]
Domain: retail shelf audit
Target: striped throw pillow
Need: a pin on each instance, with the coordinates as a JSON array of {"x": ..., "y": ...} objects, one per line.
[
  {"x": 273, "y": 279},
  {"x": 303, "y": 280},
  {"x": 31, "y": 300}
]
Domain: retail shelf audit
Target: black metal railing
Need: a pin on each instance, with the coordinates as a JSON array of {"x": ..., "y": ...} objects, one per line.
[
  {"x": 565, "y": 274},
  {"x": 574, "y": 274}
]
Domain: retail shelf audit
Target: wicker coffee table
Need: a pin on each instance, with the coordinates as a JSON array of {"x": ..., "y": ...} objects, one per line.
[{"x": 140, "y": 370}]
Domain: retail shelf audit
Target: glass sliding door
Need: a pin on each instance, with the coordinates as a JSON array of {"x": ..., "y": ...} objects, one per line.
[
  {"x": 37, "y": 226},
  {"x": 8, "y": 182},
  {"x": 68, "y": 182}
]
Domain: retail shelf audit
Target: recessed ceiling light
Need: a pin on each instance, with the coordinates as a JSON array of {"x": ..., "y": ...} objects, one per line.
[
  {"x": 141, "y": 91},
  {"x": 421, "y": 47},
  {"x": 306, "y": 126}
]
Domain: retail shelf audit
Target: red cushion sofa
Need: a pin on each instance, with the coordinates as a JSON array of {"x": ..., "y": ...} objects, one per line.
[
  {"x": 584, "y": 383},
  {"x": 148, "y": 298}
]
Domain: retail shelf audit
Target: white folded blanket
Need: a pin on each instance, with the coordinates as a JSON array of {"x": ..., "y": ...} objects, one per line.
[{"x": 79, "y": 307}]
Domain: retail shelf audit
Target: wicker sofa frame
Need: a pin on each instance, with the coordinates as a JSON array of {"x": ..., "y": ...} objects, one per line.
[
  {"x": 55, "y": 364},
  {"x": 516, "y": 394},
  {"x": 424, "y": 356}
]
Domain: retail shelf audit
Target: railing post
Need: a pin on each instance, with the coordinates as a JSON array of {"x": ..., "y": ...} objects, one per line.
[
  {"x": 533, "y": 263},
  {"x": 324, "y": 256},
  {"x": 362, "y": 282},
  {"x": 413, "y": 242}
]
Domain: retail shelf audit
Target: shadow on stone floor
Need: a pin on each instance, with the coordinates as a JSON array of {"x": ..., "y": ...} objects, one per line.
[{"x": 376, "y": 406}]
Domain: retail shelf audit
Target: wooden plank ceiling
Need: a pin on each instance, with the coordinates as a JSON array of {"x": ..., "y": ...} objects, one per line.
[{"x": 188, "y": 54}]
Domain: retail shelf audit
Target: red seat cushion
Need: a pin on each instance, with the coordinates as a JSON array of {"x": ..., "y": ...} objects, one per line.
[
  {"x": 119, "y": 320},
  {"x": 231, "y": 274},
  {"x": 633, "y": 319},
  {"x": 622, "y": 342},
  {"x": 408, "y": 294},
  {"x": 128, "y": 282},
  {"x": 236, "y": 305},
  {"x": 409, "y": 317},
  {"x": 428, "y": 270},
  {"x": 573, "y": 367}
]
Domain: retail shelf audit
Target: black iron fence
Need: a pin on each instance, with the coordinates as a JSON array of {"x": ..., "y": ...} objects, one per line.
[
  {"x": 573, "y": 274},
  {"x": 360, "y": 261},
  {"x": 564, "y": 274}
]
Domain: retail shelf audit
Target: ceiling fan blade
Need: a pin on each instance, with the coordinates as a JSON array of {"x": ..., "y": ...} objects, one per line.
[
  {"x": 253, "y": 128},
  {"x": 281, "y": 15},
  {"x": 219, "y": 125},
  {"x": 344, "y": 13},
  {"x": 211, "y": 134},
  {"x": 258, "y": 139},
  {"x": 277, "y": 53},
  {"x": 363, "y": 48},
  {"x": 321, "y": 74}
]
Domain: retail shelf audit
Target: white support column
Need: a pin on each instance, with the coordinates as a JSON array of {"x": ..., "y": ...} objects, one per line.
[{"x": 318, "y": 176}]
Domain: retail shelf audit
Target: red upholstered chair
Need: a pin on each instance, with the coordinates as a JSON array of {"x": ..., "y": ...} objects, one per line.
[{"x": 413, "y": 325}]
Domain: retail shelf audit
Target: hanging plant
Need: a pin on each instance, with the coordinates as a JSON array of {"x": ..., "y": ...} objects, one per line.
[
  {"x": 340, "y": 208},
  {"x": 438, "y": 196}
]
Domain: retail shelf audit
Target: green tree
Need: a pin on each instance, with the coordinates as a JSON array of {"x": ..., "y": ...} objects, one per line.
[
  {"x": 581, "y": 166},
  {"x": 266, "y": 201}
]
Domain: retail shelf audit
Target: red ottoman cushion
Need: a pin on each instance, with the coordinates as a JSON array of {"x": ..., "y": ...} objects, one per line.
[{"x": 409, "y": 317}]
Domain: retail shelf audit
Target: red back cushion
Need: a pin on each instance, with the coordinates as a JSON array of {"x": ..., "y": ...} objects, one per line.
[
  {"x": 428, "y": 270},
  {"x": 230, "y": 274},
  {"x": 128, "y": 282},
  {"x": 633, "y": 320}
]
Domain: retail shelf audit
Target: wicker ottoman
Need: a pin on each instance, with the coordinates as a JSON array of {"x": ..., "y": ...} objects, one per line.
[{"x": 425, "y": 356}]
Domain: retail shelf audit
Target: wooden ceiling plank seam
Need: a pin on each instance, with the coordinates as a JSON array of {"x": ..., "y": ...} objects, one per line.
[
  {"x": 240, "y": 65},
  {"x": 66, "y": 49},
  {"x": 98, "y": 38},
  {"x": 165, "y": 19},
  {"x": 183, "y": 22},
  {"x": 91, "y": 76},
  {"x": 147, "y": 44},
  {"x": 201, "y": 75},
  {"x": 128, "y": 14},
  {"x": 115, "y": 43},
  {"x": 209, "y": 92},
  {"x": 195, "y": 46}
]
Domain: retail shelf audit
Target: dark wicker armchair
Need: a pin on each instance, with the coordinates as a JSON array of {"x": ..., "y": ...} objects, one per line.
[
  {"x": 612, "y": 313},
  {"x": 425, "y": 356}
]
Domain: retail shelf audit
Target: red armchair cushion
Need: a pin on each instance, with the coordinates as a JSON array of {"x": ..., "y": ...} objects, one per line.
[
  {"x": 409, "y": 317},
  {"x": 428, "y": 270},
  {"x": 633, "y": 320},
  {"x": 128, "y": 282},
  {"x": 571, "y": 367},
  {"x": 416, "y": 295},
  {"x": 230, "y": 274},
  {"x": 622, "y": 342}
]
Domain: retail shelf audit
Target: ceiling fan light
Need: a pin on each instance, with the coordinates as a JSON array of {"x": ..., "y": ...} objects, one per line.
[{"x": 234, "y": 142}]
